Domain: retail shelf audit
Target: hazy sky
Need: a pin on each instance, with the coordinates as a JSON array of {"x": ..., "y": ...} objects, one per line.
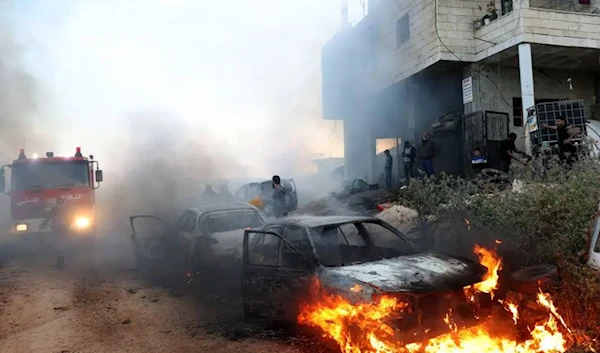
[{"x": 243, "y": 74}]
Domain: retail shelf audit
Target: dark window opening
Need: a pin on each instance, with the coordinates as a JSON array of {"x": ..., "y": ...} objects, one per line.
[{"x": 402, "y": 30}]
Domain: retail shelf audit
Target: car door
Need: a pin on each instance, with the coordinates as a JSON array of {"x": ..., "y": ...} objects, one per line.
[
  {"x": 291, "y": 194},
  {"x": 177, "y": 247},
  {"x": 146, "y": 236},
  {"x": 273, "y": 271},
  {"x": 296, "y": 265}
]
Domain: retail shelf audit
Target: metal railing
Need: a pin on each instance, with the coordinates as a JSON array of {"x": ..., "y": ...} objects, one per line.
[{"x": 564, "y": 5}]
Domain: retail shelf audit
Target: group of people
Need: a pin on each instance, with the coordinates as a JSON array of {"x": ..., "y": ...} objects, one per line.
[
  {"x": 275, "y": 201},
  {"x": 210, "y": 196},
  {"x": 508, "y": 152},
  {"x": 426, "y": 153},
  {"x": 565, "y": 134}
]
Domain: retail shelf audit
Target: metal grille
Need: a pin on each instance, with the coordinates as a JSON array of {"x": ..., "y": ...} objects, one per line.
[
  {"x": 547, "y": 113},
  {"x": 474, "y": 129},
  {"x": 497, "y": 125}
]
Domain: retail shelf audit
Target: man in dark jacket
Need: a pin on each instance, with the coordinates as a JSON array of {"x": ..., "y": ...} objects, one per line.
[
  {"x": 426, "y": 154},
  {"x": 224, "y": 195},
  {"x": 389, "y": 161},
  {"x": 508, "y": 152},
  {"x": 408, "y": 156},
  {"x": 279, "y": 196},
  {"x": 565, "y": 134},
  {"x": 209, "y": 196}
]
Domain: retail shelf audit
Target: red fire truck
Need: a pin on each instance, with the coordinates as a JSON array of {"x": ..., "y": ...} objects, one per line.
[{"x": 41, "y": 187}]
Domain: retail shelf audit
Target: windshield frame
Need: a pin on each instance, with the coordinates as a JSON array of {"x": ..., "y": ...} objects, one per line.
[
  {"x": 18, "y": 170},
  {"x": 369, "y": 243},
  {"x": 204, "y": 219}
]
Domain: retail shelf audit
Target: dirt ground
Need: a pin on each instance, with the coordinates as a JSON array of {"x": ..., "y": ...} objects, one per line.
[{"x": 99, "y": 303}]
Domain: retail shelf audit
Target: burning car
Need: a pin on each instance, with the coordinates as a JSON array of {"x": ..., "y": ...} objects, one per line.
[
  {"x": 362, "y": 259},
  {"x": 201, "y": 239}
]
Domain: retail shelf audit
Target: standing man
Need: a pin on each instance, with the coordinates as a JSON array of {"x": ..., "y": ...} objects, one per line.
[
  {"x": 508, "y": 152},
  {"x": 389, "y": 161},
  {"x": 279, "y": 196},
  {"x": 408, "y": 157},
  {"x": 565, "y": 134},
  {"x": 209, "y": 196},
  {"x": 426, "y": 154},
  {"x": 224, "y": 195}
]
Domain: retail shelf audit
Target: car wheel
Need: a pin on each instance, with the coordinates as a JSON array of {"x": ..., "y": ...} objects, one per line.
[{"x": 532, "y": 279}]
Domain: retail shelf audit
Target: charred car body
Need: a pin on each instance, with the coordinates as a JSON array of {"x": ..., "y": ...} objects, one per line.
[
  {"x": 201, "y": 239},
  {"x": 283, "y": 259}
]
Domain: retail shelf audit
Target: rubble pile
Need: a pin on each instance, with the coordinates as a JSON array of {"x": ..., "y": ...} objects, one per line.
[{"x": 401, "y": 217}]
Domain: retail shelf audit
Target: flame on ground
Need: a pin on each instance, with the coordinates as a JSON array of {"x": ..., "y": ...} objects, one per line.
[{"x": 364, "y": 328}]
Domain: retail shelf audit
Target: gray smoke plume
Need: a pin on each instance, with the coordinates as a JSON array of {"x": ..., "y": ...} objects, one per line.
[{"x": 162, "y": 169}]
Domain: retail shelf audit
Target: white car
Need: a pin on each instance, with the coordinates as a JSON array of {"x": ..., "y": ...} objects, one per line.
[{"x": 202, "y": 239}]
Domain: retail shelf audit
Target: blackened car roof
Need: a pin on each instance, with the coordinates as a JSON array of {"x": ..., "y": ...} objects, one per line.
[{"x": 320, "y": 221}]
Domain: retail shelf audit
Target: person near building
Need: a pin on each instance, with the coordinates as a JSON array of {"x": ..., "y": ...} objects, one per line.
[
  {"x": 478, "y": 161},
  {"x": 508, "y": 152},
  {"x": 209, "y": 196},
  {"x": 565, "y": 135},
  {"x": 427, "y": 154},
  {"x": 279, "y": 197},
  {"x": 408, "y": 155},
  {"x": 389, "y": 161}
]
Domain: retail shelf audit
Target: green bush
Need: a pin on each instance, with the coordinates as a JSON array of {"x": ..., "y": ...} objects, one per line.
[{"x": 548, "y": 221}]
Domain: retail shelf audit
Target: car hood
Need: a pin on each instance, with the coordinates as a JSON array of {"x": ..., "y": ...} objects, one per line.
[{"x": 426, "y": 272}]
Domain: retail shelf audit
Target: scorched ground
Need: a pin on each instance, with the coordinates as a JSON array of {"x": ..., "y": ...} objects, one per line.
[{"x": 99, "y": 304}]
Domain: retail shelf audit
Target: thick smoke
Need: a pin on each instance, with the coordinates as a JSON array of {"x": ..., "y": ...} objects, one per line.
[
  {"x": 162, "y": 167},
  {"x": 19, "y": 102}
]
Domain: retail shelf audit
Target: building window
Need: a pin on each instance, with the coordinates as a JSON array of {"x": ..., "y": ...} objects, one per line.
[
  {"x": 402, "y": 30},
  {"x": 517, "y": 111}
]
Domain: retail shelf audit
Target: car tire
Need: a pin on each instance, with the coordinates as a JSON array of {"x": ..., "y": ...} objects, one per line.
[{"x": 532, "y": 279}]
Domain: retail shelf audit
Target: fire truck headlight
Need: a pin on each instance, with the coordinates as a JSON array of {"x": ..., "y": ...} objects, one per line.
[
  {"x": 21, "y": 227},
  {"x": 82, "y": 222}
]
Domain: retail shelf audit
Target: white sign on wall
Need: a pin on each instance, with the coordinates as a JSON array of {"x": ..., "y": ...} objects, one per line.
[{"x": 467, "y": 89}]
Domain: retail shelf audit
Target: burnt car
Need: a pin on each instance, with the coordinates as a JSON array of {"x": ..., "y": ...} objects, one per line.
[
  {"x": 264, "y": 190},
  {"x": 203, "y": 238},
  {"x": 283, "y": 259}
]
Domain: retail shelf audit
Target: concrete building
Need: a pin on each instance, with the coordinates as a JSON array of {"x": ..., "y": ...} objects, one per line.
[{"x": 409, "y": 62}]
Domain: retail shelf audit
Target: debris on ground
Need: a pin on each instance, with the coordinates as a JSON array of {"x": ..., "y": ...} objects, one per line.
[
  {"x": 401, "y": 217},
  {"x": 125, "y": 322}
]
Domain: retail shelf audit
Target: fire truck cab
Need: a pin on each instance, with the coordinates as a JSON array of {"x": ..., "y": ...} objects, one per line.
[{"x": 42, "y": 188}]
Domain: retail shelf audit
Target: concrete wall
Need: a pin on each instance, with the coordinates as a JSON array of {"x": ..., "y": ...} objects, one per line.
[
  {"x": 538, "y": 26},
  {"x": 558, "y": 4},
  {"x": 455, "y": 27},
  {"x": 551, "y": 85},
  {"x": 394, "y": 63}
]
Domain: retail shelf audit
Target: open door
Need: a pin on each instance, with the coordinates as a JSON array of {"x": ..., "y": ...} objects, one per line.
[
  {"x": 291, "y": 195},
  {"x": 146, "y": 235},
  {"x": 274, "y": 275}
]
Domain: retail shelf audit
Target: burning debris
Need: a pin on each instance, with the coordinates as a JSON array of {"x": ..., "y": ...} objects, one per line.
[{"x": 370, "y": 327}]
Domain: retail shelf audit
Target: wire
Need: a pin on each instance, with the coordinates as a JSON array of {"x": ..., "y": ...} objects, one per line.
[
  {"x": 437, "y": 33},
  {"x": 334, "y": 126}
]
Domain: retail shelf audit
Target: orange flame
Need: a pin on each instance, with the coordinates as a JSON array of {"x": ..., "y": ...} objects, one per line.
[
  {"x": 367, "y": 328},
  {"x": 493, "y": 263}
]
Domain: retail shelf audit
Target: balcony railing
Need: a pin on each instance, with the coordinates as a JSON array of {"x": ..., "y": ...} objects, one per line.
[{"x": 582, "y": 6}]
